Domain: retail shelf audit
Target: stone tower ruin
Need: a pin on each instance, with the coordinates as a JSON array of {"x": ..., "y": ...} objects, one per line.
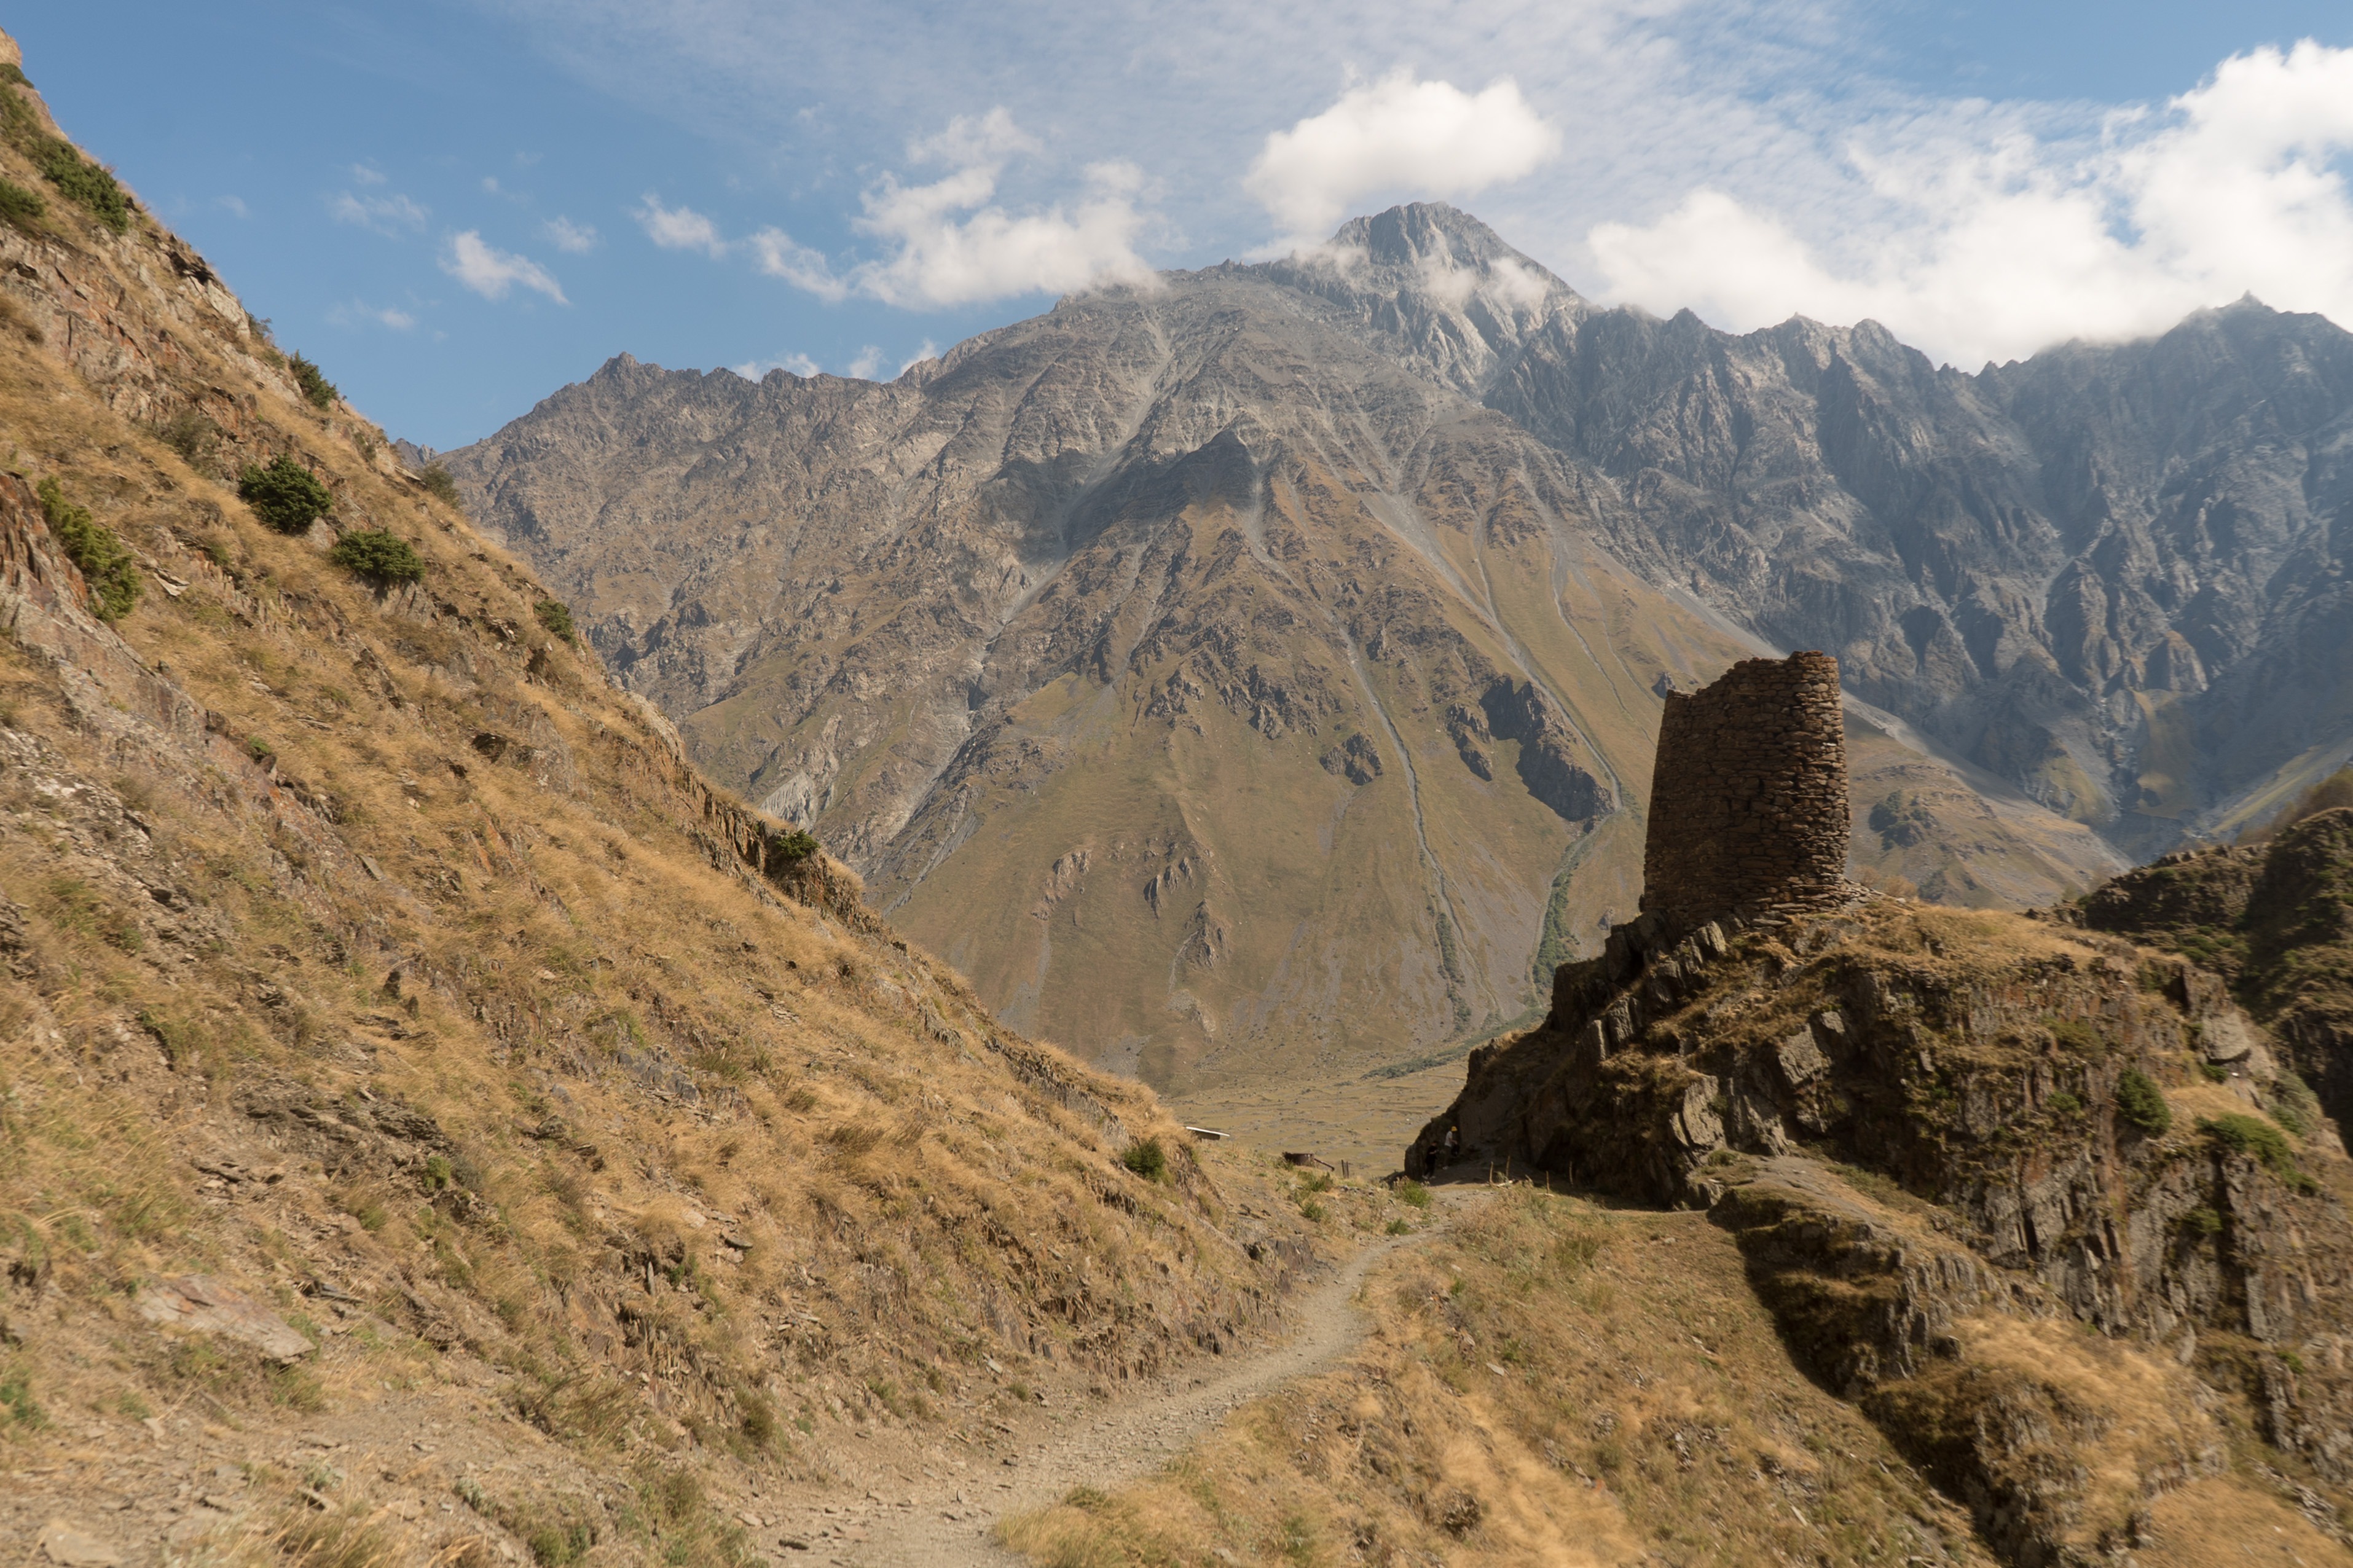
[{"x": 1748, "y": 806}]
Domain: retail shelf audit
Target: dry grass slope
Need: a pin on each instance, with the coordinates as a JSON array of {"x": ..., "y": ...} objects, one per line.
[
  {"x": 1556, "y": 1382},
  {"x": 363, "y": 951}
]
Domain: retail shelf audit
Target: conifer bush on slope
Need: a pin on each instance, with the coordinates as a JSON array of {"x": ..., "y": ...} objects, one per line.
[{"x": 559, "y": 1093}]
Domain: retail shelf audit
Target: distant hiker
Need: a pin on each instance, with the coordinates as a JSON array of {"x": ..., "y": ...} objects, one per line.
[{"x": 1454, "y": 1144}]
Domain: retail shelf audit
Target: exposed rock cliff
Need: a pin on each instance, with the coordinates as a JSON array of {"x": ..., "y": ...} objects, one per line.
[
  {"x": 1938, "y": 1135},
  {"x": 2277, "y": 919},
  {"x": 2110, "y": 574}
]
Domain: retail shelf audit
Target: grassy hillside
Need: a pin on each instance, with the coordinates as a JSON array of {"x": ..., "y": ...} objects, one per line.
[{"x": 401, "y": 1037}]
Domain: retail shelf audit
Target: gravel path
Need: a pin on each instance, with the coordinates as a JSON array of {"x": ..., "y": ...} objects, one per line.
[{"x": 947, "y": 1523}]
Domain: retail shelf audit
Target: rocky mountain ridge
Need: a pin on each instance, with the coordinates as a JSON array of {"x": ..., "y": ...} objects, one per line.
[{"x": 1210, "y": 639}]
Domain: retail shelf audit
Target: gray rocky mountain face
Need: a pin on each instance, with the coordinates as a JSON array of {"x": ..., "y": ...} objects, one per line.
[
  {"x": 2111, "y": 575},
  {"x": 1269, "y": 662}
]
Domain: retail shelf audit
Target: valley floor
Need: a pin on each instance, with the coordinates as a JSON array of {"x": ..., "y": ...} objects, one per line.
[{"x": 1367, "y": 1119}]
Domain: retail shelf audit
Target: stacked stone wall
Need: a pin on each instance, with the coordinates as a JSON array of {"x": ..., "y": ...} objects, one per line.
[{"x": 1748, "y": 805}]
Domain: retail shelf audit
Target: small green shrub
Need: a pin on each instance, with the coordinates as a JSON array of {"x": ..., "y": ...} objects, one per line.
[
  {"x": 2213, "y": 1072},
  {"x": 438, "y": 1175},
  {"x": 1574, "y": 1253},
  {"x": 2076, "y": 1035},
  {"x": 2062, "y": 1103},
  {"x": 440, "y": 486},
  {"x": 109, "y": 568},
  {"x": 1086, "y": 1499},
  {"x": 1147, "y": 1158},
  {"x": 2141, "y": 1102},
  {"x": 2202, "y": 1222},
  {"x": 2248, "y": 1135},
  {"x": 1311, "y": 1210},
  {"x": 82, "y": 182},
  {"x": 17, "y": 1401},
  {"x": 260, "y": 750},
  {"x": 19, "y": 205},
  {"x": 557, "y": 1543},
  {"x": 14, "y": 76},
  {"x": 285, "y": 495},
  {"x": 375, "y": 553},
  {"x": 755, "y": 1420},
  {"x": 315, "y": 387},
  {"x": 2254, "y": 1136},
  {"x": 793, "y": 845},
  {"x": 1413, "y": 1193},
  {"x": 191, "y": 435},
  {"x": 555, "y": 617},
  {"x": 1399, "y": 1228}
]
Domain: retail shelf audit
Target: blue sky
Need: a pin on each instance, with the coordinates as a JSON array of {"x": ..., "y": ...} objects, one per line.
[{"x": 458, "y": 206}]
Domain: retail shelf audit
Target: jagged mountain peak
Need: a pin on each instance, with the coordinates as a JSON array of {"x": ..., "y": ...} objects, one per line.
[
  {"x": 1418, "y": 232},
  {"x": 1434, "y": 287}
]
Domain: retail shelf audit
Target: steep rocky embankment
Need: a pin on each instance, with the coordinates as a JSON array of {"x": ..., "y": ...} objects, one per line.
[
  {"x": 2046, "y": 1205},
  {"x": 435, "y": 1124},
  {"x": 1284, "y": 708},
  {"x": 2277, "y": 919}
]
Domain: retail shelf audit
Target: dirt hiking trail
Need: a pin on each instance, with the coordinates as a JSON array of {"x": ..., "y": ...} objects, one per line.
[{"x": 946, "y": 1522}]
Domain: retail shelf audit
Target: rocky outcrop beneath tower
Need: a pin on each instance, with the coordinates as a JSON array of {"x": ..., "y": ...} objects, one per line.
[{"x": 1958, "y": 1149}]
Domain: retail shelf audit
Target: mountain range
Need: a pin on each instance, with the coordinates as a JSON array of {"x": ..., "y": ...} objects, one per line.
[{"x": 1260, "y": 669}]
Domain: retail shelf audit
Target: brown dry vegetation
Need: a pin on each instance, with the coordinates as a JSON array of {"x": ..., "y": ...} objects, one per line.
[
  {"x": 1554, "y": 1381},
  {"x": 1561, "y": 1380},
  {"x": 417, "y": 987}
]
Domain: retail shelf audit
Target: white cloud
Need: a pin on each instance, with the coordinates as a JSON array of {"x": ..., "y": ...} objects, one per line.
[
  {"x": 939, "y": 258},
  {"x": 862, "y": 368},
  {"x": 798, "y": 364},
  {"x": 781, "y": 256},
  {"x": 491, "y": 272},
  {"x": 1397, "y": 136},
  {"x": 994, "y": 254},
  {"x": 1999, "y": 244},
  {"x": 359, "y": 312},
  {"x": 235, "y": 205},
  {"x": 929, "y": 351},
  {"x": 392, "y": 215},
  {"x": 680, "y": 228},
  {"x": 1761, "y": 101},
  {"x": 364, "y": 176},
  {"x": 573, "y": 238},
  {"x": 969, "y": 141}
]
